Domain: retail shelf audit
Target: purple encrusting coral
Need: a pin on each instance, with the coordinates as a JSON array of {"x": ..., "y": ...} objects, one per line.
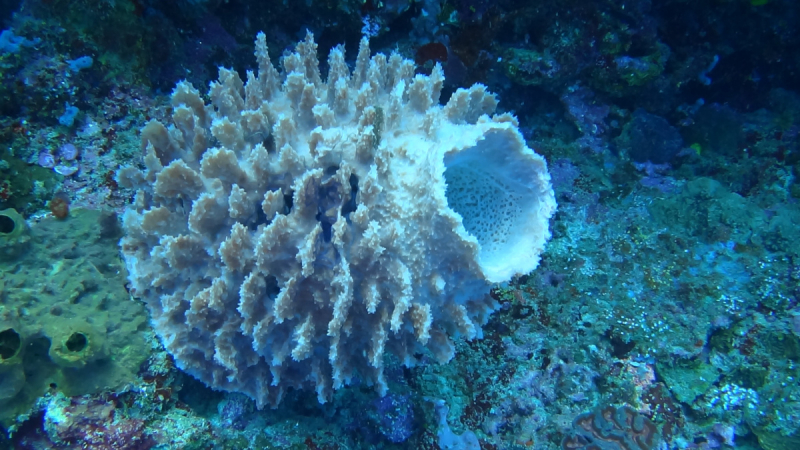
[
  {"x": 611, "y": 427},
  {"x": 91, "y": 422},
  {"x": 63, "y": 162},
  {"x": 66, "y": 169},
  {"x": 46, "y": 159},
  {"x": 589, "y": 116},
  {"x": 395, "y": 417},
  {"x": 233, "y": 410},
  {"x": 68, "y": 152}
]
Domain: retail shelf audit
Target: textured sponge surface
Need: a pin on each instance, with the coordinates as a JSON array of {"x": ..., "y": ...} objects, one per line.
[
  {"x": 488, "y": 206},
  {"x": 501, "y": 202},
  {"x": 320, "y": 232}
]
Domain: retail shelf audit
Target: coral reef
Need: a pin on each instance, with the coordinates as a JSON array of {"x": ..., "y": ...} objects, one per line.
[
  {"x": 87, "y": 422},
  {"x": 291, "y": 232},
  {"x": 669, "y": 288},
  {"x": 648, "y": 137},
  {"x": 449, "y": 440},
  {"x": 395, "y": 417},
  {"x": 612, "y": 429}
]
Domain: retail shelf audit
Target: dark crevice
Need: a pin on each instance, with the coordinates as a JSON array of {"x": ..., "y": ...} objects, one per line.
[
  {"x": 77, "y": 342},
  {"x": 7, "y": 224},
  {"x": 260, "y": 218},
  {"x": 10, "y": 343},
  {"x": 273, "y": 287},
  {"x": 351, "y": 204},
  {"x": 288, "y": 202}
]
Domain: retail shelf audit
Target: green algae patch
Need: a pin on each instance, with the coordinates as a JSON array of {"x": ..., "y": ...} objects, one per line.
[
  {"x": 773, "y": 440},
  {"x": 688, "y": 380},
  {"x": 66, "y": 321}
]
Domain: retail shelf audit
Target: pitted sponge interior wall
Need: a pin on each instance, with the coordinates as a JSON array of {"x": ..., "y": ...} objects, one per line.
[
  {"x": 489, "y": 202},
  {"x": 489, "y": 207}
]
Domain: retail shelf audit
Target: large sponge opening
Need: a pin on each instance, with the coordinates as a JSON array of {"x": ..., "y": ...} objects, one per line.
[
  {"x": 489, "y": 186},
  {"x": 488, "y": 206}
]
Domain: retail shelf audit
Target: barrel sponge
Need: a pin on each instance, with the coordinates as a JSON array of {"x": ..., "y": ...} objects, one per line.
[
  {"x": 12, "y": 375},
  {"x": 76, "y": 344},
  {"x": 297, "y": 230},
  {"x": 14, "y": 237},
  {"x": 501, "y": 205}
]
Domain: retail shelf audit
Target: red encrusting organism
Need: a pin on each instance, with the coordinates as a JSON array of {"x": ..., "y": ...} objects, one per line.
[
  {"x": 433, "y": 51},
  {"x": 59, "y": 205}
]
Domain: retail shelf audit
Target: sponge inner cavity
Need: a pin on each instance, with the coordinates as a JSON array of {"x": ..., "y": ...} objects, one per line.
[{"x": 489, "y": 207}]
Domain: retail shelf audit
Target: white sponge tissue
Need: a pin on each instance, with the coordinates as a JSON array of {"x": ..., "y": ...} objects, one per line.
[{"x": 296, "y": 231}]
